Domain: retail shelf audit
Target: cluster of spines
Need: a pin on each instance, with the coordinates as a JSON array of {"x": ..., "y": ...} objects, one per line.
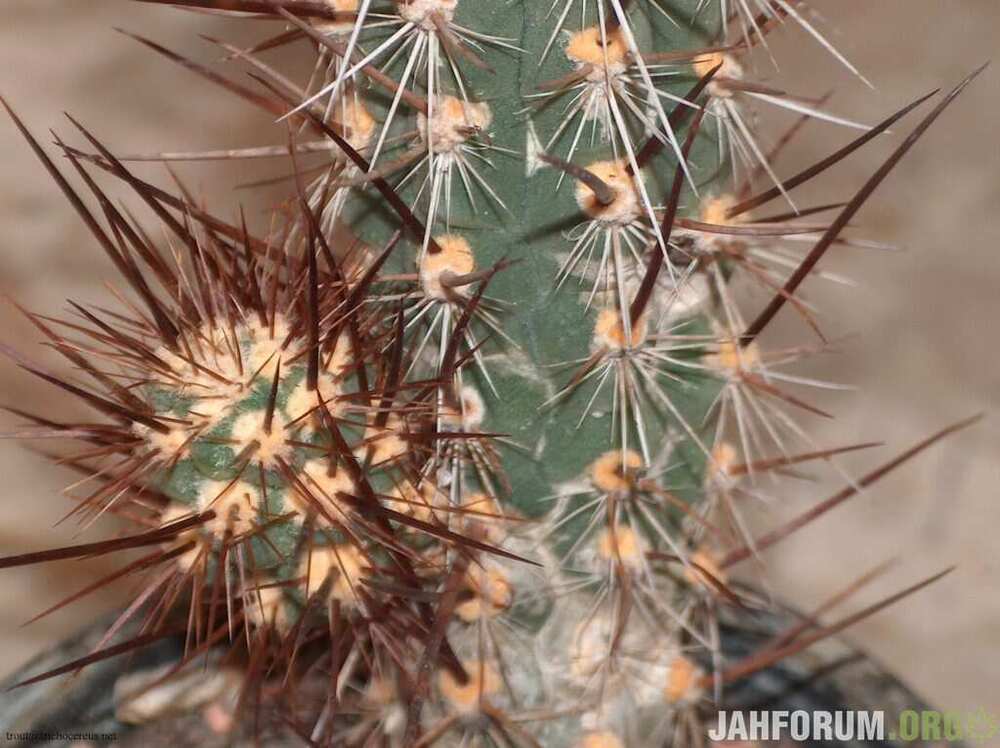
[{"x": 300, "y": 421}]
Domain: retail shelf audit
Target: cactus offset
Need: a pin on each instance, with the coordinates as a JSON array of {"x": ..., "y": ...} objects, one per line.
[{"x": 451, "y": 440}]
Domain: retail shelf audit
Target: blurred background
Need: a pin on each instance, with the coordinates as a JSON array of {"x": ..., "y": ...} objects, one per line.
[{"x": 923, "y": 346}]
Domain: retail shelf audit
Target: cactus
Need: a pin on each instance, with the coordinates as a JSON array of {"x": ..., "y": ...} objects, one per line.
[{"x": 450, "y": 452}]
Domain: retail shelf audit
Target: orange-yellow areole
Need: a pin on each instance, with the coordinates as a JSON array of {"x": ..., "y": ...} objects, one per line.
[
  {"x": 626, "y": 205},
  {"x": 606, "y": 471}
]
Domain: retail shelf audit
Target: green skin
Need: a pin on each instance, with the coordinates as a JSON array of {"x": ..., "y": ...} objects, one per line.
[
  {"x": 545, "y": 445},
  {"x": 551, "y": 327},
  {"x": 212, "y": 460}
]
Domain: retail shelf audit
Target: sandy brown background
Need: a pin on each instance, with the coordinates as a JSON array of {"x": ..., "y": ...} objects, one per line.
[{"x": 927, "y": 319}]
